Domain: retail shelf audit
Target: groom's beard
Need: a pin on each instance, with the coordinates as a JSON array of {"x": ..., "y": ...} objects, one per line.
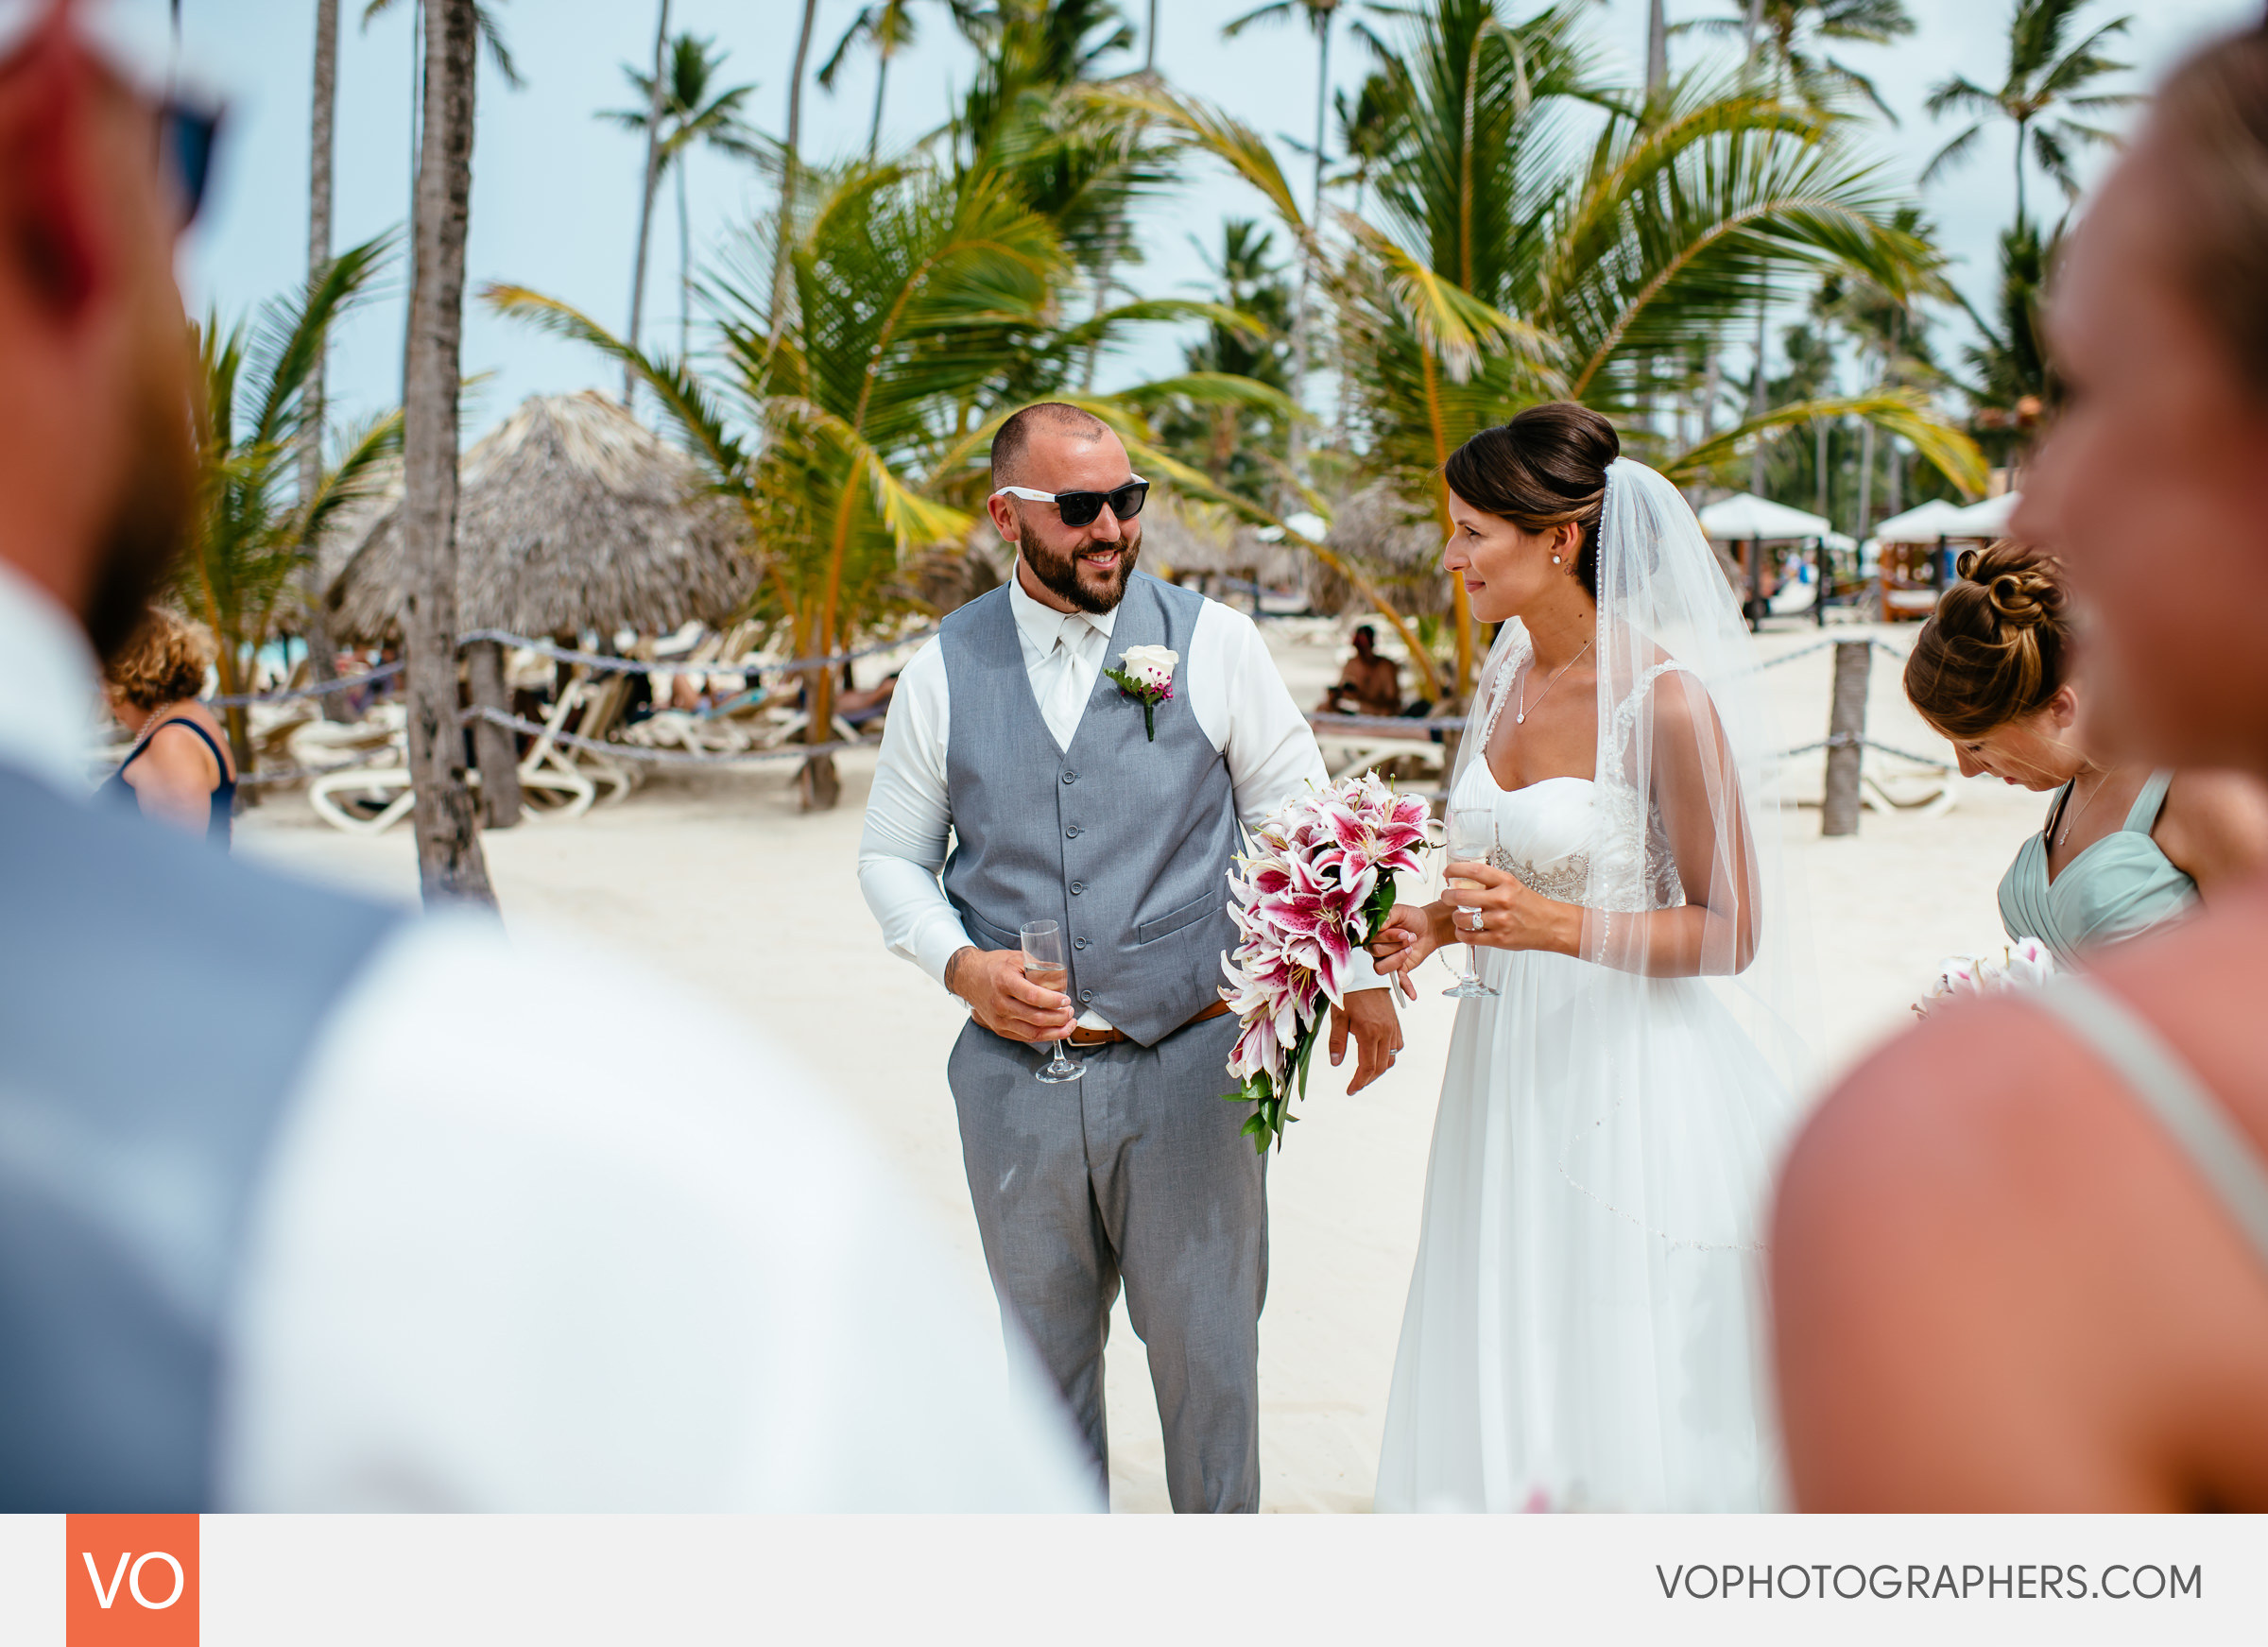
[{"x": 1059, "y": 574}]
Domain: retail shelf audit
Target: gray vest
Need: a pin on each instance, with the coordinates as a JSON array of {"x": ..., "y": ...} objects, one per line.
[
  {"x": 157, "y": 1002},
  {"x": 1126, "y": 843}
]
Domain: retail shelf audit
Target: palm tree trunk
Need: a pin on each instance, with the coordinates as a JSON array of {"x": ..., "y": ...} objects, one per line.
[
  {"x": 322, "y": 653},
  {"x": 450, "y": 864},
  {"x": 1658, "y": 50},
  {"x": 815, "y": 779},
  {"x": 1759, "y": 394},
  {"x": 791, "y": 160},
  {"x": 882, "y": 82},
  {"x": 1296, "y": 444},
  {"x": 1865, "y": 479},
  {"x": 1149, "y": 42},
  {"x": 2021, "y": 127},
  {"x": 646, "y": 198},
  {"x": 684, "y": 270}
]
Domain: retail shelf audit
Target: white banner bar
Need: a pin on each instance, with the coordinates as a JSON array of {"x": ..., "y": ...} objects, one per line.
[{"x": 281, "y": 1581}]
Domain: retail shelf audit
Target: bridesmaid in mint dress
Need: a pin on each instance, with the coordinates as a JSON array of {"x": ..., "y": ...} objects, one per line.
[{"x": 2125, "y": 849}]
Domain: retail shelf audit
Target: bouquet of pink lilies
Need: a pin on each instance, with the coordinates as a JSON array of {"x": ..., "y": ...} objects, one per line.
[{"x": 1316, "y": 882}]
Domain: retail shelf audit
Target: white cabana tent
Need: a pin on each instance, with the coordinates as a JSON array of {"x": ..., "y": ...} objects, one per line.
[
  {"x": 1931, "y": 520},
  {"x": 1988, "y": 519},
  {"x": 1745, "y": 516},
  {"x": 1753, "y": 522}
]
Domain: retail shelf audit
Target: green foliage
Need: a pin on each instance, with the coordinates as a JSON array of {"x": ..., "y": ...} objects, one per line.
[
  {"x": 694, "y": 111},
  {"x": 2045, "y": 94},
  {"x": 253, "y": 531},
  {"x": 1792, "y": 39},
  {"x": 1240, "y": 447},
  {"x": 922, "y": 305}
]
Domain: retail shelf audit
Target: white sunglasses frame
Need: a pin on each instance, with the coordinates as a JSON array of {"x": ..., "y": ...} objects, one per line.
[{"x": 1048, "y": 497}]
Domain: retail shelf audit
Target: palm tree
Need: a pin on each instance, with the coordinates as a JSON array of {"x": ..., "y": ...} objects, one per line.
[
  {"x": 449, "y": 862},
  {"x": 484, "y": 20},
  {"x": 2045, "y": 86},
  {"x": 1514, "y": 260},
  {"x": 791, "y": 158},
  {"x": 1082, "y": 162},
  {"x": 322, "y": 118},
  {"x": 890, "y": 26},
  {"x": 1319, "y": 15},
  {"x": 923, "y": 305},
  {"x": 1789, "y": 37},
  {"x": 691, "y": 114},
  {"x": 1366, "y": 132},
  {"x": 1240, "y": 447},
  {"x": 258, "y": 518}
]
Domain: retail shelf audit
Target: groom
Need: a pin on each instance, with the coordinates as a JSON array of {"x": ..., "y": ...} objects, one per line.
[{"x": 1007, "y": 735}]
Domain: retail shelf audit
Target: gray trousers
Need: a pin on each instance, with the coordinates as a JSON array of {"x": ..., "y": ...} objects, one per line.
[{"x": 1135, "y": 1172}]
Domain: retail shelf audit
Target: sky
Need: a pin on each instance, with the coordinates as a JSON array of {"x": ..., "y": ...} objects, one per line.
[{"x": 554, "y": 188}]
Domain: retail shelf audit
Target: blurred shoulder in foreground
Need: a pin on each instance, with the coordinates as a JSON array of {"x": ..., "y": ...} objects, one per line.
[{"x": 1999, "y": 1281}]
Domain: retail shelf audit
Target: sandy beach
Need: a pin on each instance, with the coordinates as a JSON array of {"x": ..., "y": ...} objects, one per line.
[{"x": 722, "y": 884}]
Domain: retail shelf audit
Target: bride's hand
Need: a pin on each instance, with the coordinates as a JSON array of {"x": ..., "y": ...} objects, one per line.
[
  {"x": 1512, "y": 916},
  {"x": 1410, "y": 933}
]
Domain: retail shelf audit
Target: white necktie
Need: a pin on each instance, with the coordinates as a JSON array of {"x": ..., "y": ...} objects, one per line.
[{"x": 1062, "y": 698}]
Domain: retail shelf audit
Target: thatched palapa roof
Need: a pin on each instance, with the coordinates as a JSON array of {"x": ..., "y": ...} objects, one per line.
[
  {"x": 571, "y": 515},
  {"x": 1184, "y": 537},
  {"x": 1396, "y": 544}
]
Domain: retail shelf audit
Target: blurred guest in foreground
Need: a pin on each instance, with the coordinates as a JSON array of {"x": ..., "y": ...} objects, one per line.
[
  {"x": 2021, "y": 1257},
  {"x": 304, "y": 1205},
  {"x": 2124, "y": 849},
  {"x": 178, "y": 770}
]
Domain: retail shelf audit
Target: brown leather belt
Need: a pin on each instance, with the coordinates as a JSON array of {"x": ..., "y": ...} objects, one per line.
[{"x": 1103, "y": 1037}]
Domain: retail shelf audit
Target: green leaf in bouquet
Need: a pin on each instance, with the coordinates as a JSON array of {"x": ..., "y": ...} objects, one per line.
[{"x": 1379, "y": 905}]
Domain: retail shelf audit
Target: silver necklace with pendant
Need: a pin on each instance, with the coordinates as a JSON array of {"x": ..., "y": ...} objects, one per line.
[{"x": 1520, "y": 719}]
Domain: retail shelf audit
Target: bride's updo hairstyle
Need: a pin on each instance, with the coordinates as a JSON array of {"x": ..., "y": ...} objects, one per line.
[
  {"x": 1545, "y": 468},
  {"x": 1995, "y": 649}
]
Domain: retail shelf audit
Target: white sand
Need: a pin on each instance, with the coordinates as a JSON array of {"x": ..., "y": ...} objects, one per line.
[{"x": 721, "y": 883}]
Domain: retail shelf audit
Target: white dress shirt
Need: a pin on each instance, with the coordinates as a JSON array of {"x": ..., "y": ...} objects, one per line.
[
  {"x": 1231, "y": 687},
  {"x": 511, "y": 1253}
]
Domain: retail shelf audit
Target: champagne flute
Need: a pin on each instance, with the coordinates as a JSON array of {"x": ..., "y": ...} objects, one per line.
[
  {"x": 1472, "y": 833},
  {"x": 1045, "y": 965}
]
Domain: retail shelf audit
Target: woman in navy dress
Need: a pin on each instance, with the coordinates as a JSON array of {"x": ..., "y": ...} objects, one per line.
[{"x": 179, "y": 771}]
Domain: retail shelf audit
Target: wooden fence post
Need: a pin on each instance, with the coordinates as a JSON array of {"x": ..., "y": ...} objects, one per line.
[
  {"x": 1846, "y": 737},
  {"x": 496, "y": 747}
]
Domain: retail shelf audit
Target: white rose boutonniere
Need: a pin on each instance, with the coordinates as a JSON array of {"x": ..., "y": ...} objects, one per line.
[{"x": 1145, "y": 674}]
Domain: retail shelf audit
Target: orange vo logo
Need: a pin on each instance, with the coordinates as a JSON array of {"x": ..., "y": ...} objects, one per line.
[{"x": 130, "y": 1581}]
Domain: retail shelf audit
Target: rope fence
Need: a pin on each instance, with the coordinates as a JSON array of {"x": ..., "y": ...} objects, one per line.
[{"x": 601, "y": 662}]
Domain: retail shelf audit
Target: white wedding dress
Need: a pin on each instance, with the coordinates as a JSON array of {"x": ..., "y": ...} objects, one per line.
[{"x": 1584, "y": 1323}]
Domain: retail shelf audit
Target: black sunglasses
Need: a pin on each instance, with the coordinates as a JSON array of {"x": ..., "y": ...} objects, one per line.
[
  {"x": 1079, "y": 508},
  {"x": 186, "y": 132}
]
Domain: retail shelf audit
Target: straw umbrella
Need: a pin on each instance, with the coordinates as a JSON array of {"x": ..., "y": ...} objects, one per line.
[{"x": 573, "y": 516}]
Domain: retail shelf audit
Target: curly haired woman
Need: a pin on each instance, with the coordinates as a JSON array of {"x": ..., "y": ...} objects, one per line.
[
  {"x": 178, "y": 770},
  {"x": 2125, "y": 849}
]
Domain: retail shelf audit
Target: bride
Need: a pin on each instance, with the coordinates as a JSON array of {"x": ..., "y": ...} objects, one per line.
[{"x": 1583, "y": 1329}]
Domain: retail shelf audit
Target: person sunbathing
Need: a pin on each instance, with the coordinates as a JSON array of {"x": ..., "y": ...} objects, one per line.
[{"x": 1372, "y": 684}]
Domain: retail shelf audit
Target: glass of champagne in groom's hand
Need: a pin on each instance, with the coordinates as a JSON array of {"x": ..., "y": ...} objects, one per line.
[{"x": 1045, "y": 965}]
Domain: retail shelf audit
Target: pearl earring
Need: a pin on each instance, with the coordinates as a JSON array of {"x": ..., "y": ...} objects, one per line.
[{"x": 1555, "y": 561}]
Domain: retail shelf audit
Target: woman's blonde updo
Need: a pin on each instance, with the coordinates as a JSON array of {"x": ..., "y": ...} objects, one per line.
[
  {"x": 164, "y": 662},
  {"x": 1994, "y": 651}
]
